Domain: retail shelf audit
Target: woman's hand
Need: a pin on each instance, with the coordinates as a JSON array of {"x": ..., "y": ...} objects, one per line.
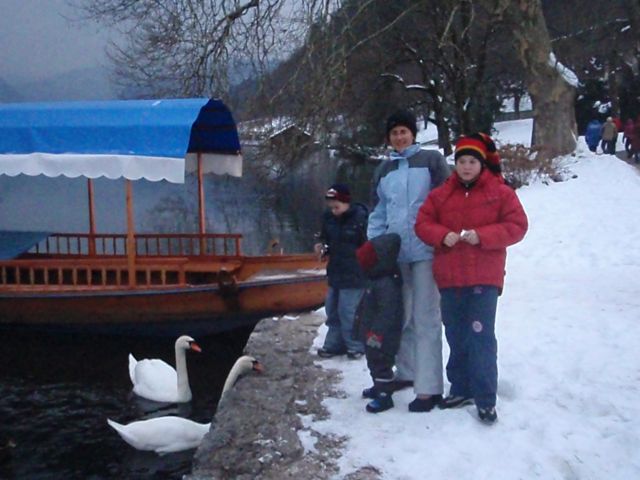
[
  {"x": 470, "y": 236},
  {"x": 450, "y": 239}
]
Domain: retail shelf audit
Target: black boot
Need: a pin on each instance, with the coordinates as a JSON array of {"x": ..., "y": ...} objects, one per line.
[
  {"x": 381, "y": 403},
  {"x": 425, "y": 404},
  {"x": 488, "y": 415},
  {"x": 370, "y": 392}
]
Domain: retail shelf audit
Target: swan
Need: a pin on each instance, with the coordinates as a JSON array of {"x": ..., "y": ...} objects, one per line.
[
  {"x": 242, "y": 365},
  {"x": 156, "y": 380},
  {"x": 174, "y": 434},
  {"x": 163, "y": 434}
]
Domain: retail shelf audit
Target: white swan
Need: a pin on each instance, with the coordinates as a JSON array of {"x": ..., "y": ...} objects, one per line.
[
  {"x": 162, "y": 435},
  {"x": 156, "y": 380},
  {"x": 241, "y": 366},
  {"x": 174, "y": 434}
]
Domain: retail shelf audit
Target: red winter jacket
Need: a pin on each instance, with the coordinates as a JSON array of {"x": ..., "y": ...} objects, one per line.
[{"x": 489, "y": 207}]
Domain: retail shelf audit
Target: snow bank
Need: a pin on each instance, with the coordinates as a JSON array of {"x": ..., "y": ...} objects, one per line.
[{"x": 568, "y": 333}]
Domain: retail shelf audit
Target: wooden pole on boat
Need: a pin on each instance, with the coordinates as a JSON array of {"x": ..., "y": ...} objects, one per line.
[
  {"x": 131, "y": 242},
  {"x": 92, "y": 219},
  {"x": 201, "y": 213}
]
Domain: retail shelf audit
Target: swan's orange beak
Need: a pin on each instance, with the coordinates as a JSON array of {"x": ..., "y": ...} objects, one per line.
[
  {"x": 195, "y": 347},
  {"x": 258, "y": 367}
]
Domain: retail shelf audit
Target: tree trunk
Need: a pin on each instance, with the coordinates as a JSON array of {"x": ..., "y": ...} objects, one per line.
[
  {"x": 552, "y": 96},
  {"x": 612, "y": 83},
  {"x": 633, "y": 11},
  {"x": 441, "y": 122}
]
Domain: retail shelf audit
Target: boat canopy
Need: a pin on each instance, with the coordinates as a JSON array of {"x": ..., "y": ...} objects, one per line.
[
  {"x": 151, "y": 139},
  {"x": 14, "y": 243}
]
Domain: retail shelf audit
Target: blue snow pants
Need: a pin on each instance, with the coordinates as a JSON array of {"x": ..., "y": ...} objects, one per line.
[
  {"x": 469, "y": 315},
  {"x": 340, "y": 306}
]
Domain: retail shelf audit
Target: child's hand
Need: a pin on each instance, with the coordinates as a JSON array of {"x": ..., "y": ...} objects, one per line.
[
  {"x": 451, "y": 239},
  {"x": 470, "y": 236},
  {"x": 321, "y": 251}
]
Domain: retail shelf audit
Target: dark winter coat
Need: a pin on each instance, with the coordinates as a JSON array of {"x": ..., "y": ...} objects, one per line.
[
  {"x": 635, "y": 138},
  {"x": 379, "y": 316},
  {"x": 609, "y": 131},
  {"x": 343, "y": 235},
  {"x": 629, "y": 129},
  {"x": 592, "y": 134},
  {"x": 489, "y": 207}
]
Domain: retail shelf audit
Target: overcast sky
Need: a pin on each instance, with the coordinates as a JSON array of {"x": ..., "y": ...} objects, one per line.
[{"x": 36, "y": 40}]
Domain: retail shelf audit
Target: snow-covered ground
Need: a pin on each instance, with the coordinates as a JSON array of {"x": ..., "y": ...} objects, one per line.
[{"x": 568, "y": 329}]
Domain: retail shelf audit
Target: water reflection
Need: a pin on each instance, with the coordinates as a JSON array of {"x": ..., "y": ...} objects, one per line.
[{"x": 56, "y": 393}]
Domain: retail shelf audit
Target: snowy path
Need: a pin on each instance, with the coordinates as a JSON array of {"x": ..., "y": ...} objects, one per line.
[{"x": 568, "y": 333}]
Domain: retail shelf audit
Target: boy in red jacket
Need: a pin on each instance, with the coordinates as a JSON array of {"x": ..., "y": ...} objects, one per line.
[{"x": 470, "y": 220}]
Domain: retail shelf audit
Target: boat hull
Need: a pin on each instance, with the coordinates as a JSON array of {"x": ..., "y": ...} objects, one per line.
[{"x": 166, "y": 311}]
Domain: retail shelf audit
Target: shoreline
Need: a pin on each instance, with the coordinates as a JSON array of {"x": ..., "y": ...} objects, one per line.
[{"x": 261, "y": 429}]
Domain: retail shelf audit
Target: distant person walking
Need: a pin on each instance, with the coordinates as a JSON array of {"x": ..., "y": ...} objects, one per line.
[
  {"x": 470, "y": 221},
  {"x": 635, "y": 141},
  {"x": 344, "y": 228},
  {"x": 609, "y": 134},
  {"x": 592, "y": 134},
  {"x": 629, "y": 133},
  {"x": 400, "y": 185}
]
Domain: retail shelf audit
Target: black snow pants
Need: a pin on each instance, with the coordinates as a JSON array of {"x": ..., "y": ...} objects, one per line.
[{"x": 379, "y": 320}]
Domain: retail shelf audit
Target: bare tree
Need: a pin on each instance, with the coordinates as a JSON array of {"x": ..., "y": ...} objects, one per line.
[
  {"x": 187, "y": 47},
  {"x": 551, "y": 85},
  {"x": 190, "y": 47}
]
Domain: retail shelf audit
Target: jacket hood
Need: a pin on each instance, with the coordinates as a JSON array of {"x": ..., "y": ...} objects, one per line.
[{"x": 387, "y": 247}]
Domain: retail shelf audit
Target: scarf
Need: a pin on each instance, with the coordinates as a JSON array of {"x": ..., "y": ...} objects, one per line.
[{"x": 406, "y": 153}]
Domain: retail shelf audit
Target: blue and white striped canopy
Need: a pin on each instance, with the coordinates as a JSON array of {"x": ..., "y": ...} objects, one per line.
[{"x": 152, "y": 139}]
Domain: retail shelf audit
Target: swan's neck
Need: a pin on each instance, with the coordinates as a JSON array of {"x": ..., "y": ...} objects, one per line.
[
  {"x": 238, "y": 369},
  {"x": 184, "y": 391}
]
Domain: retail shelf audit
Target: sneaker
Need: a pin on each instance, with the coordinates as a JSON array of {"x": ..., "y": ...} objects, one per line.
[
  {"x": 355, "y": 355},
  {"x": 326, "y": 353},
  {"x": 455, "y": 401},
  {"x": 425, "y": 404},
  {"x": 379, "y": 404},
  {"x": 370, "y": 392},
  {"x": 487, "y": 415}
]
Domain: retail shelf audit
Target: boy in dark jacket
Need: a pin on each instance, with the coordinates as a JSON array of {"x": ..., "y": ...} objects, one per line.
[
  {"x": 344, "y": 229},
  {"x": 379, "y": 316}
]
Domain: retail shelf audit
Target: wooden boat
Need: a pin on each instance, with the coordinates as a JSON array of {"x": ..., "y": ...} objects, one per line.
[{"x": 149, "y": 283}]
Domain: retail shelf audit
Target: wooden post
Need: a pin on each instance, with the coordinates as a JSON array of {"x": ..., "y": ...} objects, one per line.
[
  {"x": 92, "y": 219},
  {"x": 201, "y": 212},
  {"x": 131, "y": 242}
]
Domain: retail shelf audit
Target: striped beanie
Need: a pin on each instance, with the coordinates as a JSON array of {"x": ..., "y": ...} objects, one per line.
[
  {"x": 480, "y": 146},
  {"x": 340, "y": 192}
]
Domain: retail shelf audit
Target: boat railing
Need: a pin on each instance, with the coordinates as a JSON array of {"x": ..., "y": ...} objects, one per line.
[
  {"x": 146, "y": 244},
  {"x": 97, "y": 272}
]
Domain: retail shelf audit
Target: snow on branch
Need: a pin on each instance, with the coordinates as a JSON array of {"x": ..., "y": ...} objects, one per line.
[
  {"x": 395, "y": 76},
  {"x": 400, "y": 79},
  {"x": 567, "y": 74}
]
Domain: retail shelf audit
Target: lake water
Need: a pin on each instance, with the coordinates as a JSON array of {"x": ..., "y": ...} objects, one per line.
[{"x": 56, "y": 393}]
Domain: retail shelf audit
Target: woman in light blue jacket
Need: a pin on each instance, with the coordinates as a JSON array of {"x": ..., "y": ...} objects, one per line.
[{"x": 400, "y": 186}]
